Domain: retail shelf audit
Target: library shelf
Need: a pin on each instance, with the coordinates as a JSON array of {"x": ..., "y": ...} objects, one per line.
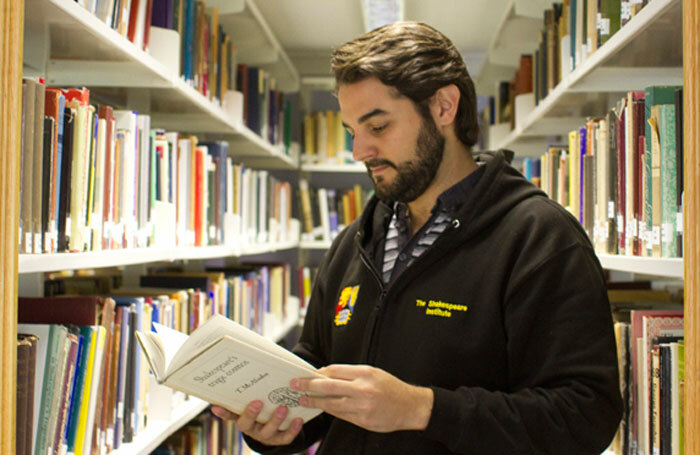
[
  {"x": 335, "y": 168},
  {"x": 521, "y": 20},
  {"x": 314, "y": 245},
  {"x": 158, "y": 431},
  {"x": 35, "y": 263},
  {"x": 73, "y": 47},
  {"x": 663, "y": 267},
  {"x": 646, "y": 51}
]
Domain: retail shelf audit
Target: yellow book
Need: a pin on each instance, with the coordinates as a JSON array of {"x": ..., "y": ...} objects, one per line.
[
  {"x": 340, "y": 145},
  {"x": 331, "y": 151},
  {"x": 86, "y": 418},
  {"x": 309, "y": 137},
  {"x": 573, "y": 173},
  {"x": 357, "y": 191}
]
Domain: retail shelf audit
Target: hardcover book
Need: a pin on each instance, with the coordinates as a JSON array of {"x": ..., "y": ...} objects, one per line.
[{"x": 226, "y": 364}]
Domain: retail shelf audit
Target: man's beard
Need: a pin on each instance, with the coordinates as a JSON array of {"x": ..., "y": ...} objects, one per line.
[{"x": 414, "y": 176}]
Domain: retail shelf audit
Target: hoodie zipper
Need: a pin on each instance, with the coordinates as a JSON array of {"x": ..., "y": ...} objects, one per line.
[{"x": 369, "y": 333}]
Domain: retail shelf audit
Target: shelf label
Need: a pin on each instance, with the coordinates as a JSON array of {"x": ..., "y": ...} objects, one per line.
[
  {"x": 656, "y": 236},
  {"x": 667, "y": 232},
  {"x": 604, "y": 26},
  {"x": 625, "y": 11},
  {"x": 620, "y": 224},
  {"x": 679, "y": 222},
  {"x": 28, "y": 242}
]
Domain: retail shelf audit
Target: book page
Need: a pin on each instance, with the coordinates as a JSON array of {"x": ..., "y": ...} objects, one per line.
[
  {"x": 218, "y": 326},
  {"x": 154, "y": 351},
  {"x": 231, "y": 373},
  {"x": 171, "y": 342}
]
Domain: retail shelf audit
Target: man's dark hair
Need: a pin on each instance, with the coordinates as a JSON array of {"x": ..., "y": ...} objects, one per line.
[{"x": 416, "y": 60}]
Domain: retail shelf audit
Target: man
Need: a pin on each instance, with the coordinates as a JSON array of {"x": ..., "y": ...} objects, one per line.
[{"x": 465, "y": 312}]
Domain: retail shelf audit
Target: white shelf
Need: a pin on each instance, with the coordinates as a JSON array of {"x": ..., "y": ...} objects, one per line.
[
  {"x": 517, "y": 33},
  {"x": 335, "y": 168},
  {"x": 158, "y": 431},
  {"x": 315, "y": 245},
  {"x": 666, "y": 267},
  {"x": 35, "y": 263},
  {"x": 63, "y": 39},
  {"x": 256, "y": 44},
  {"x": 646, "y": 51}
]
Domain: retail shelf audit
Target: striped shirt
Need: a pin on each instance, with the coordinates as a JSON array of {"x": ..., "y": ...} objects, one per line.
[{"x": 401, "y": 249}]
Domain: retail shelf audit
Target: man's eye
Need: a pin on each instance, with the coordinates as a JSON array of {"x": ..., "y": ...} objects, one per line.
[{"x": 377, "y": 129}]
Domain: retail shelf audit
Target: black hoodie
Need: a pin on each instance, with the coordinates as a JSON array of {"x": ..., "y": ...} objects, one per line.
[{"x": 505, "y": 317}]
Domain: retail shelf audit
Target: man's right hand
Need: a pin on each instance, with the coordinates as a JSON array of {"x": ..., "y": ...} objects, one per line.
[{"x": 266, "y": 433}]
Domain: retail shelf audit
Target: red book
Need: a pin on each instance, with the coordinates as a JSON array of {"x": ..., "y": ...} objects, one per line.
[
  {"x": 133, "y": 17},
  {"x": 637, "y": 132},
  {"x": 147, "y": 25},
  {"x": 78, "y": 310},
  {"x": 198, "y": 197},
  {"x": 107, "y": 113},
  {"x": 80, "y": 94},
  {"x": 621, "y": 226}
]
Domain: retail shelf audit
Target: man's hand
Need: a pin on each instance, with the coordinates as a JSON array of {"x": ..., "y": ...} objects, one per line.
[
  {"x": 368, "y": 397},
  {"x": 267, "y": 433}
]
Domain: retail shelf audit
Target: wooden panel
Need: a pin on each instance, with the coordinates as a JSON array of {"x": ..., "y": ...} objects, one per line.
[
  {"x": 11, "y": 34},
  {"x": 691, "y": 247}
]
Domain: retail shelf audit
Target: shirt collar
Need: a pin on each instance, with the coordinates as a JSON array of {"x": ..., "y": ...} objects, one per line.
[{"x": 449, "y": 201}]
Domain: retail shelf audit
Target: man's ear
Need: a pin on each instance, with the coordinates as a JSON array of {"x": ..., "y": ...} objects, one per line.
[{"x": 444, "y": 105}]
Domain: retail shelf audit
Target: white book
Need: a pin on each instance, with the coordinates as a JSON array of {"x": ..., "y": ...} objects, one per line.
[
  {"x": 324, "y": 214},
  {"x": 226, "y": 364}
]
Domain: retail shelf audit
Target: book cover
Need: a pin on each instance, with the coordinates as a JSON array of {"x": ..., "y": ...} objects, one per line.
[
  {"x": 668, "y": 169},
  {"x": 679, "y": 174},
  {"x": 22, "y": 395},
  {"x": 77, "y": 310},
  {"x": 226, "y": 364}
]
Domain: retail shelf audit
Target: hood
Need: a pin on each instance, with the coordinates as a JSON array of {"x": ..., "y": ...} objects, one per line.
[{"x": 500, "y": 188}]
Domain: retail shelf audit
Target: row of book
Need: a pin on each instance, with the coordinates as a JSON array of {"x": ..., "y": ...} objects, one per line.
[
  {"x": 83, "y": 386},
  {"x": 622, "y": 175},
  {"x": 573, "y": 30},
  {"x": 207, "y": 54},
  {"x": 327, "y": 211},
  {"x": 652, "y": 374},
  {"x": 209, "y": 435},
  {"x": 325, "y": 139},
  {"x": 95, "y": 178}
]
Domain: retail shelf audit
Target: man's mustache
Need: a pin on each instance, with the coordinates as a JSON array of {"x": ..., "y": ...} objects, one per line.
[{"x": 379, "y": 162}]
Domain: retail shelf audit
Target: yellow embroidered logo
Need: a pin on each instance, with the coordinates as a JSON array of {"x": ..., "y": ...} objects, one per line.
[
  {"x": 440, "y": 308},
  {"x": 346, "y": 303}
]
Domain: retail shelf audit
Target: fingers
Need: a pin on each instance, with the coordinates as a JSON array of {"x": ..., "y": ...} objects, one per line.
[
  {"x": 223, "y": 413},
  {"x": 342, "y": 371},
  {"x": 247, "y": 421},
  {"x": 268, "y": 433}
]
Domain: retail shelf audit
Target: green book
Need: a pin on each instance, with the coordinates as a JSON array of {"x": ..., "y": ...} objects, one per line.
[
  {"x": 669, "y": 189},
  {"x": 51, "y": 343},
  {"x": 653, "y": 95},
  {"x": 610, "y": 19}
]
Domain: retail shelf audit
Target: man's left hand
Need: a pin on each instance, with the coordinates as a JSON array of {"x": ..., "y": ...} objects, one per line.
[{"x": 368, "y": 397}]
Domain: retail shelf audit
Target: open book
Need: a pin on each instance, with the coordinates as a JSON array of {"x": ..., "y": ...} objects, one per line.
[{"x": 226, "y": 364}]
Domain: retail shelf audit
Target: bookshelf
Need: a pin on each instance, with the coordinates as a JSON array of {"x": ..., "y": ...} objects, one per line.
[
  {"x": 658, "y": 46},
  {"x": 646, "y": 51},
  {"x": 127, "y": 75},
  {"x": 158, "y": 431},
  {"x": 515, "y": 34},
  {"x": 69, "y": 46},
  {"x": 33, "y": 263}
]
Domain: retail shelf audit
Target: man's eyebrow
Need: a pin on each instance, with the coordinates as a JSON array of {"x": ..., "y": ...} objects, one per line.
[{"x": 368, "y": 115}]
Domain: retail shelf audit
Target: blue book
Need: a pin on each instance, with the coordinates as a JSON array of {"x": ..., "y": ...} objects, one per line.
[
  {"x": 86, "y": 333},
  {"x": 332, "y": 212},
  {"x": 79, "y": 365}
]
